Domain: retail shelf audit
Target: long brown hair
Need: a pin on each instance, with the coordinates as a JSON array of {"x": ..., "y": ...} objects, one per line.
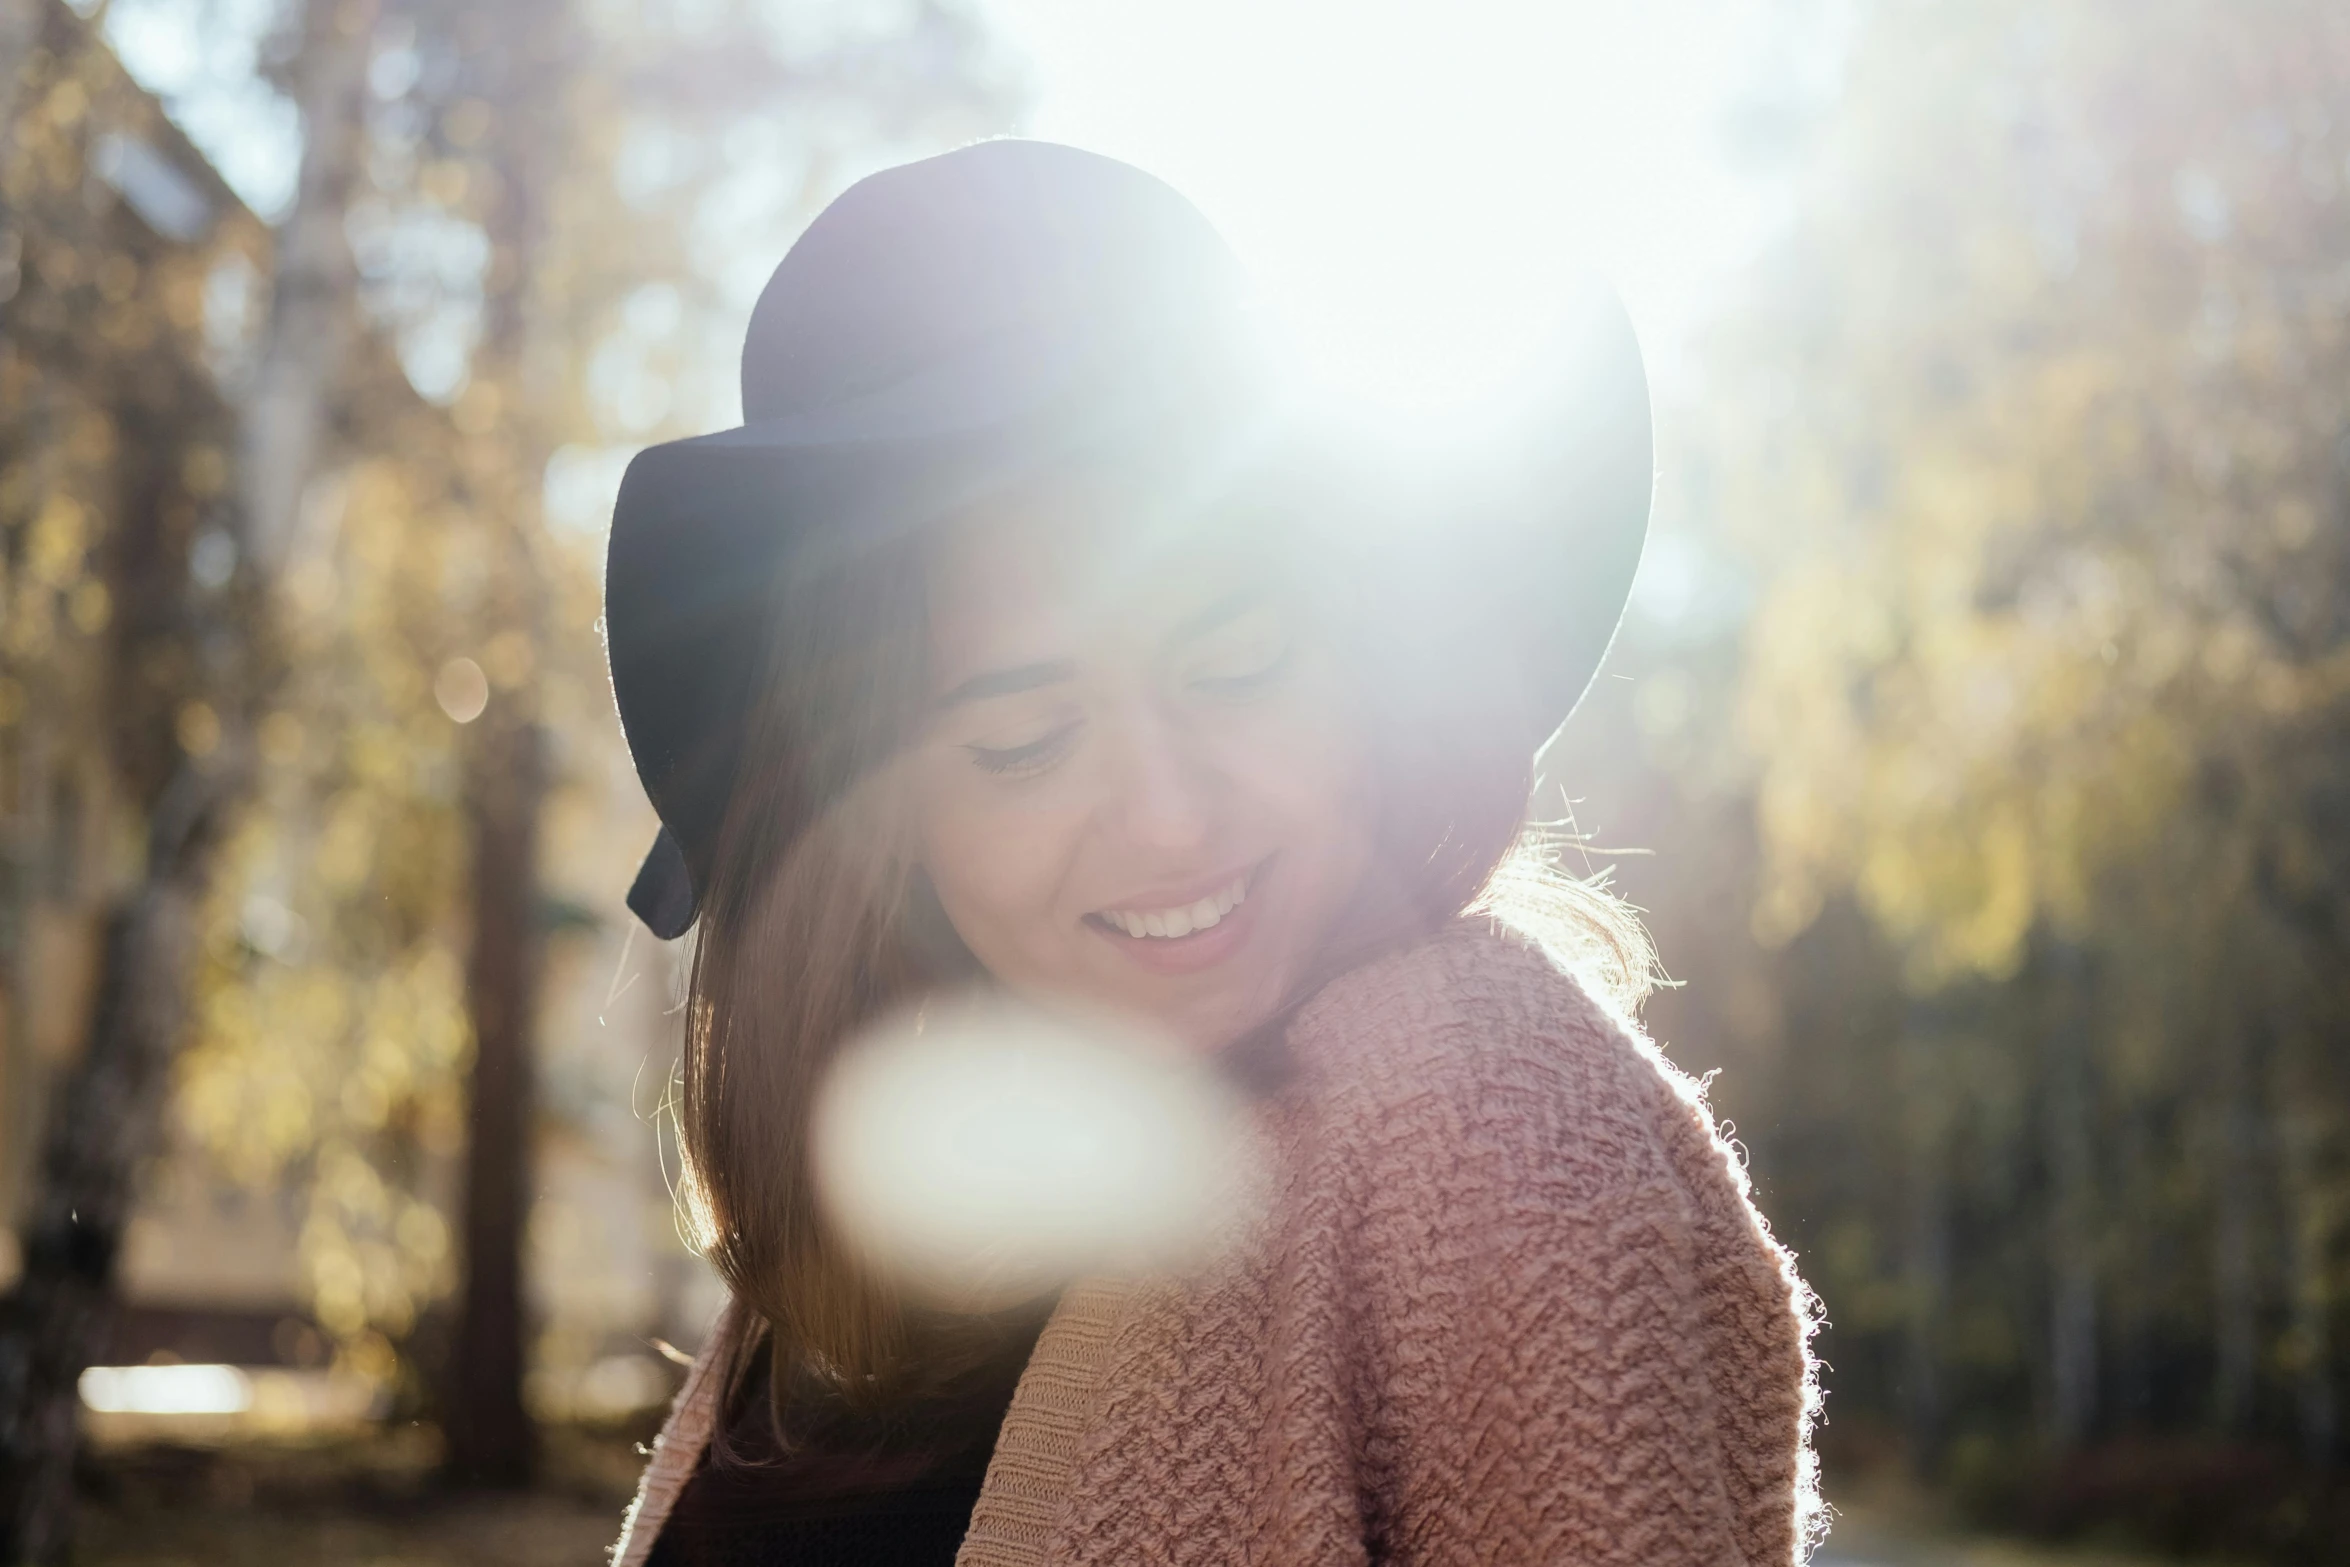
[{"x": 815, "y": 922}]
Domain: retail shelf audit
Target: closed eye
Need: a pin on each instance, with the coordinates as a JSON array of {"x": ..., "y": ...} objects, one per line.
[
  {"x": 1244, "y": 683},
  {"x": 1242, "y": 658},
  {"x": 1026, "y": 760}
]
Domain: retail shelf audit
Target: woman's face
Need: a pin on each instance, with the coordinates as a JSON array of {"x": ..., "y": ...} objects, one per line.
[{"x": 1143, "y": 780}]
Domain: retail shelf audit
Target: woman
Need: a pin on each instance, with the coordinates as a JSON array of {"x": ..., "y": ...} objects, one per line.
[{"x": 1029, "y": 633}]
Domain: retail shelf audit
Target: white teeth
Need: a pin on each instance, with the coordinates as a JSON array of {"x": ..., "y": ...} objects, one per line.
[{"x": 1174, "y": 923}]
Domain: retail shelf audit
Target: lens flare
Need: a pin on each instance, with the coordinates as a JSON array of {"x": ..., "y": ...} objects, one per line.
[{"x": 986, "y": 1150}]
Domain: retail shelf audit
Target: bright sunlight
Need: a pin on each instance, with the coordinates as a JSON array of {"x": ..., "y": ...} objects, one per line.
[{"x": 1440, "y": 172}]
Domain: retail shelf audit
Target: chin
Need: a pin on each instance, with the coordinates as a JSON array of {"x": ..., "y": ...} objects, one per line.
[{"x": 1220, "y": 1014}]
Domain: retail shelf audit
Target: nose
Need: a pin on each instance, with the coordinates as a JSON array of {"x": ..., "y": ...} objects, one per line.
[{"x": 1161, "y": 793}]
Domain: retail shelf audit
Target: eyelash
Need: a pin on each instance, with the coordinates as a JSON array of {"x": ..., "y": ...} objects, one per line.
[
  {"x": 1024, "y": 760},
  {"x": 1248, "y": 684}
]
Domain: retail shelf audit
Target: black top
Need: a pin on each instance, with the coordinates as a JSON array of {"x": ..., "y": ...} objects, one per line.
[{"x": 888, "y": 1490}]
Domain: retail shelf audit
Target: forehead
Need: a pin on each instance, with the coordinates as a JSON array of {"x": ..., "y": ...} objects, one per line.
[{"x": 1055, "y": 573}]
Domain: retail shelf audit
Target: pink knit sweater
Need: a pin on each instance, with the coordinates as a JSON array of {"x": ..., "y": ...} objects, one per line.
[{"x": 1511, "y": 1305}]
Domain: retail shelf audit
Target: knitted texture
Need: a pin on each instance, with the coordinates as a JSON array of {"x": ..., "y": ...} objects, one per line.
[
  {"x": 1510, "y": 1303},
  {"x": 1035, "y": 1460},
  {"x": 677, "y": 1451}
]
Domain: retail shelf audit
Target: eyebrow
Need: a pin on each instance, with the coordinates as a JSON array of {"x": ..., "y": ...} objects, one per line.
[
  {"x": 1230, "y": 607},
  {"x": 1034, "y": 677},
  {"x": 1008, "y": 682}
]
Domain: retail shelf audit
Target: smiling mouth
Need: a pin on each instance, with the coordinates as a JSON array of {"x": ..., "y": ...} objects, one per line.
[{"x": 1181, "y": 920}]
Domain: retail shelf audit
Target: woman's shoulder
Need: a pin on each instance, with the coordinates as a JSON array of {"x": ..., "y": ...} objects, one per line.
[
  {"x": 1563, "y": 1291},
  {"x": 1472, "y": 1080},
  {"x": 1477, "y": 1050},
  {"x": 1475, "y": 1002}
]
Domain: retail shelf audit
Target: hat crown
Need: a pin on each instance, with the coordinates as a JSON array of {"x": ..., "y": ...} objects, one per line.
[{"x": 1021, "y": 246}]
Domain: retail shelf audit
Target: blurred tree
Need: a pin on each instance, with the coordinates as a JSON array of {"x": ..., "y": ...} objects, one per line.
[
  {"x": 564, "y": 214},
  {"x": 510, "y": 97},
  {"x": 2042, "y": 463},
  {"x": 1988, "y": 718},
  {"x": 129, "y": 672},
  {"x": 305, "y": 336},
  {"x": 534, "y": 201},
  {"x": 514, "y": 68}
]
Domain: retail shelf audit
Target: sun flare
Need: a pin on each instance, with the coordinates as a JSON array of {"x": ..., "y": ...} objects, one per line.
[{"x": 1417, "y": 187}]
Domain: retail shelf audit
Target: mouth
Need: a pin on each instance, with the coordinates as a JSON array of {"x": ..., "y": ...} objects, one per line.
[
  {"x": 1187, "y": 930},
  {"x": 1175, "y": 922}
]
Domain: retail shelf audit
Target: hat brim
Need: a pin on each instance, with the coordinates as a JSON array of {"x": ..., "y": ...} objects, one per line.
[
  {"x": 703, "y": 529},
  {"x": 1522, "y": 523}
]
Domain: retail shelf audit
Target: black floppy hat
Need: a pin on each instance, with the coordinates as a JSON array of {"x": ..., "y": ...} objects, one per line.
[{"x": 949, "y": 323}]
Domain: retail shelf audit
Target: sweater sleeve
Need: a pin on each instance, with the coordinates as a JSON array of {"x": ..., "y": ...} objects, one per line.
[{"x": 1579, "y": 1344}]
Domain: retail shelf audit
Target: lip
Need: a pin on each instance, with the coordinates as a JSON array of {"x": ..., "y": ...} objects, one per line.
[
  {"x": 1176, "y": 894},
  {"x": 1202, "y": 949}
]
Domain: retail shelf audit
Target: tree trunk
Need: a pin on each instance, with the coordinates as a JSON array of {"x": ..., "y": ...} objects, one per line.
[
  {"x": 491, "y": 1440},
  {"x": 2069, "y": 1126},
  {"x": 2141, "y": 1276},
  {"x": 102, "y": 1122},
  {"x": 1926, "y": 1265},
  {"x": 301, "y": 363},
  {"x": 2235, "y": 1303},
  {"x": 310, "y": 313},
  {"x": 2310, "y": 1217}
]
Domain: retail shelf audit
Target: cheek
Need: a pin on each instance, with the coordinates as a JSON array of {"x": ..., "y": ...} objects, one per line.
[
  {"x": 1305, "y": 763},
  {"x": 996, "y": 866}
]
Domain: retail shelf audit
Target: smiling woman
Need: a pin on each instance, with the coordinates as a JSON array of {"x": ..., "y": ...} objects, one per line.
[
  {"x": 1147, "y": 781},
  {"x": 1032, "y": 638}
]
